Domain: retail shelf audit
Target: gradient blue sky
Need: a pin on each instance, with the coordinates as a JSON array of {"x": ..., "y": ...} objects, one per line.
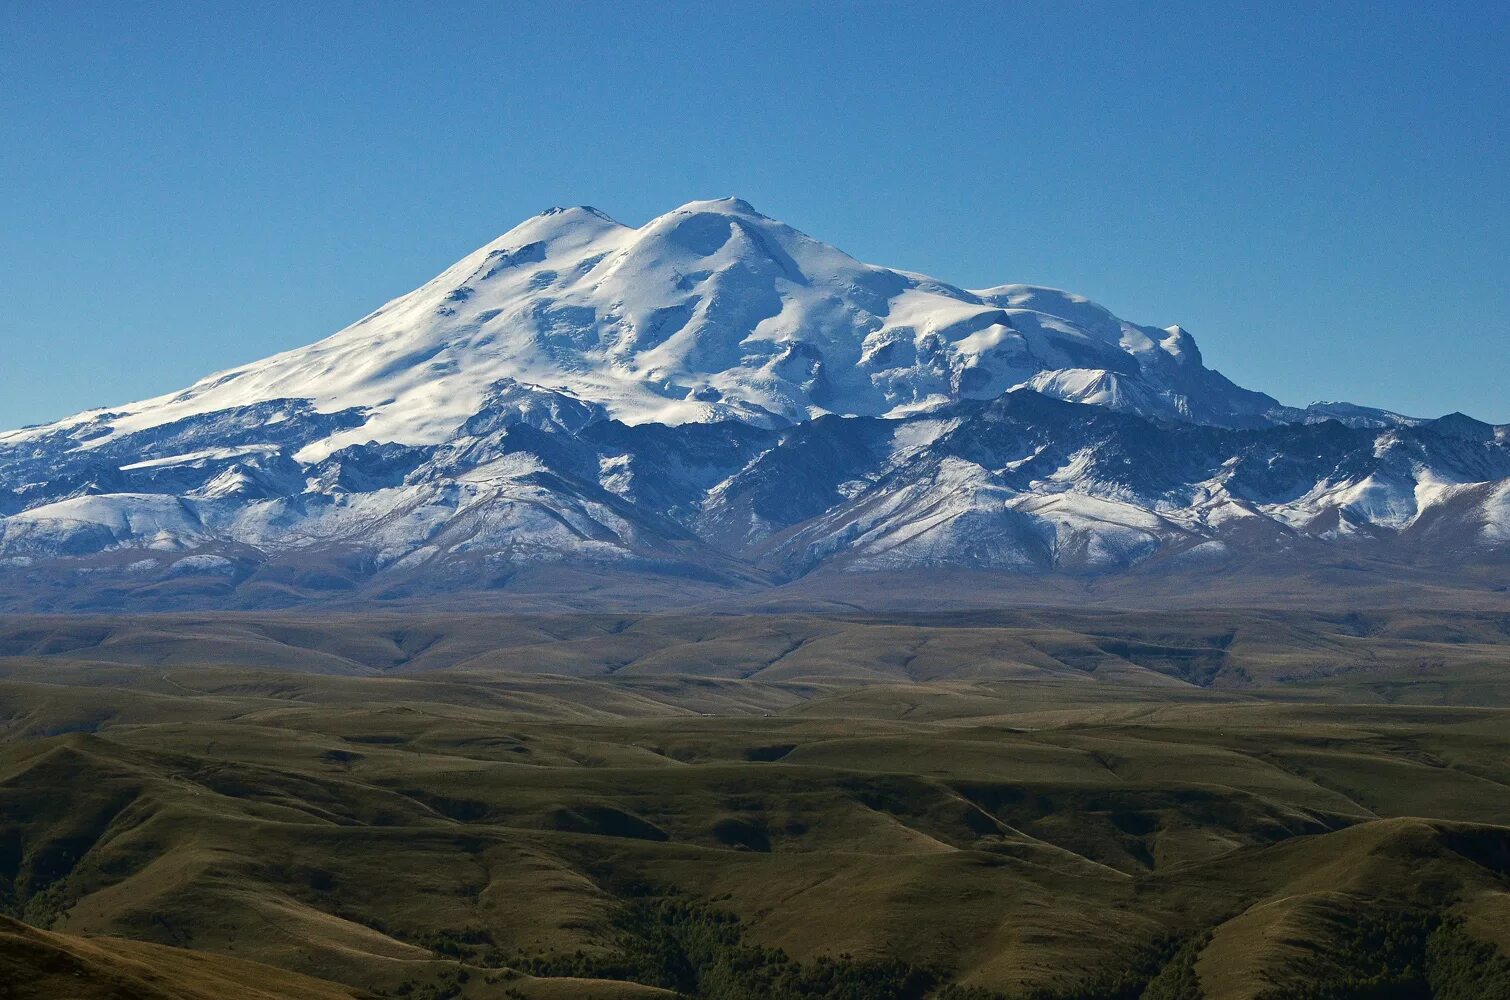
[{"x": 1319, "y": 196}]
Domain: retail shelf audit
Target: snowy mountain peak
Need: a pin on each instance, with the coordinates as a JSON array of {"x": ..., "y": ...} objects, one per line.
[
  {"x": 669, "y": 395},
  {"x": 720, "y": 206},
  {"x": 709, "y": 312}
]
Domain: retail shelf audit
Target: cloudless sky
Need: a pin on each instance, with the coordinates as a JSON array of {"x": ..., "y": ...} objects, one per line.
[{"x": 1318, "y": 192}]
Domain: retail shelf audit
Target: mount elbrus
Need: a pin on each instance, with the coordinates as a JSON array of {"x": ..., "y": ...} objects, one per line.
[{"x": 718, "y": 399}]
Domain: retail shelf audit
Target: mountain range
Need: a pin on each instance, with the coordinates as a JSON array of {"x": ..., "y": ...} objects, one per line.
[{"x": 718, "y": 400}]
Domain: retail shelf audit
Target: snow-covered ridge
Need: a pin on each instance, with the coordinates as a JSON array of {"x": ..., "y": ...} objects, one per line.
[
  {"x": 717, "y": 394},
  {"x": 709, "y": 312}
]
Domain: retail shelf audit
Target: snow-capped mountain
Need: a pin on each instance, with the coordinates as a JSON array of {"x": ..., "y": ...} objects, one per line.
[{"x": 717, "y": 393}]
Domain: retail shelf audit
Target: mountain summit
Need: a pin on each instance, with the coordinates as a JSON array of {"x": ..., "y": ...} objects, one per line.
[
  {"x": 709, "y": 312},
  {"x": 675, "y": 395}
]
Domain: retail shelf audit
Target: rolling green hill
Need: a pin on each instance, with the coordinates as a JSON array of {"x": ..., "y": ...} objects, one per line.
[{"x": 964, "y": 807}]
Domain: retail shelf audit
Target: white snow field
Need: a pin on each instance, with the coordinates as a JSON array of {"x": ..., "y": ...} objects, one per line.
[{"x": 719, "y": 394}]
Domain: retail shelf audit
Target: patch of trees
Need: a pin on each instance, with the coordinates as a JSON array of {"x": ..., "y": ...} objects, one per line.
[
  {"x": 701, "y": 952},
  {"x": 1404, "y": 955}
]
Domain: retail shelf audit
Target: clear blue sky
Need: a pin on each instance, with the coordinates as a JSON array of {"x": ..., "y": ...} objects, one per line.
[{"x": 1319, "y": 196}]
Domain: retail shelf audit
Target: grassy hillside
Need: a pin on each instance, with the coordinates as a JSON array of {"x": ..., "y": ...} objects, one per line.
[
  {"x": 470, "y": 823},
  {"x": 40, "y": 965}
]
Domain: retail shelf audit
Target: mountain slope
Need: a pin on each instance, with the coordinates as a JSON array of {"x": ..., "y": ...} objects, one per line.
[{"x": 717, "y": 397}]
